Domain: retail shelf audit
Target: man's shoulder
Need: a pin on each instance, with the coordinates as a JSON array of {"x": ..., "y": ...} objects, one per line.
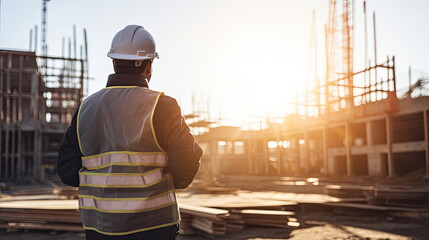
[
  {"x": 167, "y": 106},
  {"x": 165, "y": 101}
]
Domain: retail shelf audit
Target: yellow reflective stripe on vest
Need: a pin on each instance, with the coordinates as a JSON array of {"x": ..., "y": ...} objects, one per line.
[
  {"x": 126, "y": 199},
  {"x": 124, "y": 152},
  {"x": 123, "y": 186},
  {"x": 126, "y": 164},
  {"x": 126, "y": 206},
  {"x": 124, "y": 159},
  {"x": 77, "y": 130},
  {"x": 133, "y": 231},
  {"x": 117, "y": 174},
  {"x": 151, "y": 122},
  {"x": 126, "y": 211},
  {"x": 150, "y": 178}
]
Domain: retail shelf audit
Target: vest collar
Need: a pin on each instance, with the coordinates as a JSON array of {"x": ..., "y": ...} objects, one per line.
[{"x": 126, "y": 80}]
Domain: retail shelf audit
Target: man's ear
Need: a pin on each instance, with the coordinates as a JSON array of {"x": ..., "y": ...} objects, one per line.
[
  {"x": 148, "y": 69},
  {"x": 147, "y": 73}
]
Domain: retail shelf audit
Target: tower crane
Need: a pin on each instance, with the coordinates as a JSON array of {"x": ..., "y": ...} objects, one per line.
[{"x": 43, "y": 35}]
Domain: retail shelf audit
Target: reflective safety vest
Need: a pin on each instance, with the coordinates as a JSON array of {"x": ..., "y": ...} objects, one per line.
[{"x": 122, "y": 186}]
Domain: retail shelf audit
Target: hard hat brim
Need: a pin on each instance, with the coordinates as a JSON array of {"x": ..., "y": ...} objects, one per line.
[{"x": 131, "y": 57}]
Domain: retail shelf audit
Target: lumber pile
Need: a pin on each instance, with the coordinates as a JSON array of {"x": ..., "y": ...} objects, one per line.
[
  {"x": 268, "y": 218},
  {"x": 402, "y": 196},
  {"x": 211, "y": 221},
  {"x": 33, "y": 191},
  {"x": 409, "y": 190},
  {"x": 217, "y": 222},
  {"x": 347, "y": 191},
  {"x": 69, "y": 192},
  {"x": 56, "y": 215},
  {"x": 362, "y": 209}
]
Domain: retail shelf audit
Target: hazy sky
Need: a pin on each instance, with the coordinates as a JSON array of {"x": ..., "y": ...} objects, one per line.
[{"x": 247, "y": 57}]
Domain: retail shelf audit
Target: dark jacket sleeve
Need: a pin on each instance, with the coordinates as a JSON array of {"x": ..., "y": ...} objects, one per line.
[
  {"x": 69, "y": 156},
  {"x": 176, "y": 138}
]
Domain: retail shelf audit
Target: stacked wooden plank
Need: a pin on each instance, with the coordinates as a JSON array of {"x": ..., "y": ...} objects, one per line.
[
  {"x": 409, "y": 190},
  {"x": 56, "y": 215},
  {"x": 268, "y": 218},
  {"x": 33, "y": 191},
  {"x": 360, "y": 209},
  {"x": 234, "y": 223},
  {"x": 347, "y": 191},
  {"x": 203, "y": 219},
  {"x": 69, "y": 192},
  {"x": 240, "y": 200},
  {"x": 185, "y": 227},
  {"x": 403, "y": 196}
]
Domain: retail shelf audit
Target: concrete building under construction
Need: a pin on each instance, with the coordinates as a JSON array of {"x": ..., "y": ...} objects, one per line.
[
  {"x": 369, "y": 133},
  {"x": 352, "y": 125},
  {"x": 38, "y": 97}
]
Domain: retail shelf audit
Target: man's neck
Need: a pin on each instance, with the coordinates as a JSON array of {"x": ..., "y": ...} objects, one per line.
[{"x": 126, "y": 80}]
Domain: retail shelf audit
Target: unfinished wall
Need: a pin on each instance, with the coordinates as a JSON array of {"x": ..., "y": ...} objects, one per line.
[
  {"x": 359, "y": 165},
  {"x": 408, "y": 139},
  {"x": 340, "y": 166},
  {"x": 408, "y": 162},
  {"x": 20, "y": 89},
  {"x": 408, "y": 128},
  {"x": 378, "y": 131}
]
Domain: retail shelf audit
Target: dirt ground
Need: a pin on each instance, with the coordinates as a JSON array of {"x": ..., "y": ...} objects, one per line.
[{"x": 315, "y": 225}]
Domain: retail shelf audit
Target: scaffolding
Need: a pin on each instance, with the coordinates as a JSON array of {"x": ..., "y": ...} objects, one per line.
[{"x": 334, "y": 96}]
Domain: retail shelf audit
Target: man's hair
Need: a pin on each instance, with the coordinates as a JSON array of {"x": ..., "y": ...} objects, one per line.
[{"x": 129, "y": 66}]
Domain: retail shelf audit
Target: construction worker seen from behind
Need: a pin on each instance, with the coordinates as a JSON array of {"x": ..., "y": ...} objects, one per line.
[{"x": 128, "y": 149}]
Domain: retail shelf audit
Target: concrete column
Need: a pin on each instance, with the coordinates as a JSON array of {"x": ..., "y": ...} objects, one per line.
[
  {"x": 374, "y": 158},
  {"x": 214, "y": 158},
  {"x": 296, "y": 153},
  {"x": 426, "y": 128},
  {"x": 306, "y": 153},
  {"x": 389, "y": 138},
  {"x": 348, "y": 141},
  {"x": 325, "y": 149},
  {"x": 266, "y": 157},
  {"x": 249, "y": 152},
  {"x": 279, "y": 158},
  {"x": 368, "y": 129}
]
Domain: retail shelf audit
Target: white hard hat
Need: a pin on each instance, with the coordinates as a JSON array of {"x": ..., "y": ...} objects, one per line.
[{"x": 133, "y": 43}]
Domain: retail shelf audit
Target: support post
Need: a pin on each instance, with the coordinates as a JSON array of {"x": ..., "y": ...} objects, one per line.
[
  {"x": 37, "y": 116},
  {"x": 389, "y": 138},
  {"x": 19, "y": 122},
  {"x": 1, "y": 113},
  {"x": 249, "y": 152},
  {"x": 8, "y": 115},
  {"x": 426, "y": 128},
  {"x": 325, "y": 149},
  {"x": 13, "y": 135},
  {"x": 266, "y": 157},
  {"x": 307, "y": 153},
  {"x": 348, "y": 141}
]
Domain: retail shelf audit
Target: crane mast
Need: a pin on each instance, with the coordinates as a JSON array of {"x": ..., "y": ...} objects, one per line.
[
  {"x": 340, "y": 49},
  {"x": 44, "y": 46},
  {"x": 348, "y": 22}
]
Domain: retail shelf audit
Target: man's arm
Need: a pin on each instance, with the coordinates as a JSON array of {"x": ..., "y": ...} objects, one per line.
[
  {"x": 69, "y": 156},
  {"x": 176, "y": 138}
]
